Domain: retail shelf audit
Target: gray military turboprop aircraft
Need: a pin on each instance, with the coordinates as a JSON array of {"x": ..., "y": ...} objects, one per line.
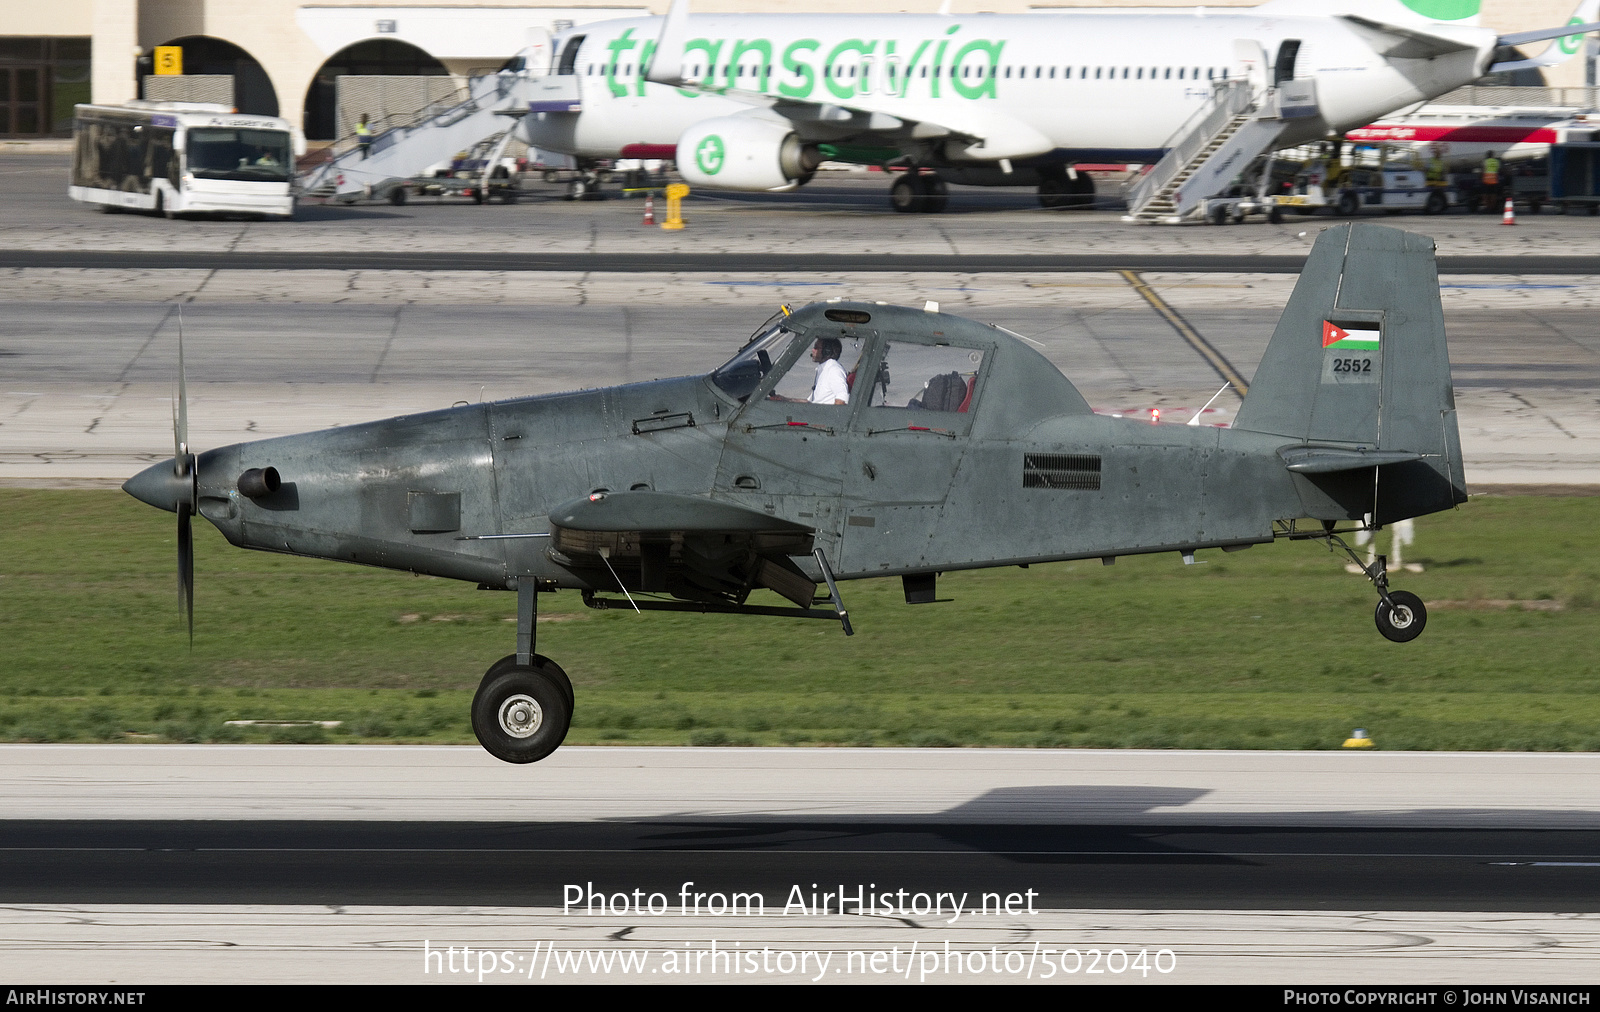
[{"x": 954, "y": 446}]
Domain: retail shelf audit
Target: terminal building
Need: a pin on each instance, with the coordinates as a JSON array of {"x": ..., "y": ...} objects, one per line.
[{"x": 317, "y": 64}]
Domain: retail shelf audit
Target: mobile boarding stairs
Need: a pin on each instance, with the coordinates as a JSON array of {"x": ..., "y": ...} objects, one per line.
[
  {"x": 1207, "y": 155},
  {"x": 486, "y": 108}
]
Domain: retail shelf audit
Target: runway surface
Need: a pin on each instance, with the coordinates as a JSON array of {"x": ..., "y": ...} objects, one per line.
[
  {"x": 335, "y": 863},
  {"x": 673, "y": 261}
]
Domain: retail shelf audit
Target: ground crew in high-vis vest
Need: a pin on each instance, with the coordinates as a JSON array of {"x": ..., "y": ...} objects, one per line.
[
  {"x": 364, "y": 135},
  {"x": 1436, "y": 171},
  {"x": 1491, "y": 180}
]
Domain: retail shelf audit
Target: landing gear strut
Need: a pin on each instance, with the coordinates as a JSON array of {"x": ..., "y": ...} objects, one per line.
[
  {"x": 914, "y": 192},
  {"x": 523, "y": 706},
  {"x": 1401, "y": 615}
]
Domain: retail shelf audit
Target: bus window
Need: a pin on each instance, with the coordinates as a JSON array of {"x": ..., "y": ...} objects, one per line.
[{"x": 261, "y": 155}]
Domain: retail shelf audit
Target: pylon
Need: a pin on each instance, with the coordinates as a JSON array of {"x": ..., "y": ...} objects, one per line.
[
  {"x": 1510, "y": 215},
  {"x": 650, "y": 208}
]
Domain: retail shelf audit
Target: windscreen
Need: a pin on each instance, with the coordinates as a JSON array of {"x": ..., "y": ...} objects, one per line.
[
  {"x": 260, "y": 156},
  {"x": 745, "y": 371}
]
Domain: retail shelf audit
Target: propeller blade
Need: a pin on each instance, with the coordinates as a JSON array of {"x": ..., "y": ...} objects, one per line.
[
  {"x": 180, "y": 411},
  {"x": 183, "y": 466},
  {"x": 186, "y": 567}
]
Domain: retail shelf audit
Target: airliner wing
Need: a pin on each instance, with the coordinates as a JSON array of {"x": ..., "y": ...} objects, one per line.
[{"x": 990, "y": 134}]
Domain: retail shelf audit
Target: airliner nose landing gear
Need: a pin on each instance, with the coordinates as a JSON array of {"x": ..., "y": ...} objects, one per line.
[{"x": 915, "y": 192}]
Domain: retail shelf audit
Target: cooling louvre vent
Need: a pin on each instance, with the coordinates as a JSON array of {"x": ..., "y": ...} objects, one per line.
[{"x": 1061, "y": 470}]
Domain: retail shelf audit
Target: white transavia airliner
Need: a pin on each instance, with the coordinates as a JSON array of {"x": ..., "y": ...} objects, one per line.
[{"x": 757, "y": 101}]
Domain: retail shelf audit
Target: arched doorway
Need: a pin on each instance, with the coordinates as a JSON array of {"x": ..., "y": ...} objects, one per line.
[
  {"x": 375, "y": 57},
  {"x": 252, "y": 88}
]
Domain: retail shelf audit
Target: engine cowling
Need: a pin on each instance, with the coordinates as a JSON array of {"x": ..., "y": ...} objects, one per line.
[{"x": 745, "y": 153}]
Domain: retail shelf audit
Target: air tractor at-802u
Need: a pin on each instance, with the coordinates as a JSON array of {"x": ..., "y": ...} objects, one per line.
[{"x": 849, "y": 441}]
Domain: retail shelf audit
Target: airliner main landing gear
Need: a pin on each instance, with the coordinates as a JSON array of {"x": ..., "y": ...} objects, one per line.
[
  {"x": 1070, "y": 189},
  {"x": 915, "y": 192},
  {"x": 523, "y": 706}
]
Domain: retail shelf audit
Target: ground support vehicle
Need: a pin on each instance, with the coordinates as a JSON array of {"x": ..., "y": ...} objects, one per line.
[
  {"x": 1393, "y": 188},
  {"x": 183, "y": 158},
  {"x": 1575, "y": 176}
]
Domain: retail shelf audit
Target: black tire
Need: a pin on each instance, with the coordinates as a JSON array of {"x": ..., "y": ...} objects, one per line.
[
  {"x": 1053, "y": 192},
  {"x": 1348, "y": 204},
  {"x": 1405, "y": 621},
  {"x": 542, "y": 663},
  {"x": 1275, "y": 216},
  {"x": 1436, "y": 203},
  {"x": 397, "y": 196},
  {"x": 938, "y": 194},
  {"x": 520, "y": 715},
  {"x": 1219, "y": 215},
  {"x": 907, "y": 195}
]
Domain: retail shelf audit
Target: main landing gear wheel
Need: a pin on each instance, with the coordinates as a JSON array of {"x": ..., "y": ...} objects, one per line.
[
  {"x": 521, "y": 715},
  {"x": 914, "y": 193},
  {"x": 1402, "y": 617},
  {"x": 541, "y": 663},
  {"x": 1067, "y": 191}
]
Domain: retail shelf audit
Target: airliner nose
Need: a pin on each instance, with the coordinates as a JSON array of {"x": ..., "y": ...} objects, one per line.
[{"x": 158, "y": 486}]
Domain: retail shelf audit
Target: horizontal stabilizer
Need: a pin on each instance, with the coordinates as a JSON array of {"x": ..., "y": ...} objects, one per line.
[
  {"x": 1328, "y": 459},
  {"x": 1540, "y": 34}
]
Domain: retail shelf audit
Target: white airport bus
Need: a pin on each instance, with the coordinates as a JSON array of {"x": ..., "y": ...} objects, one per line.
[{"x": 179, "y": 158}]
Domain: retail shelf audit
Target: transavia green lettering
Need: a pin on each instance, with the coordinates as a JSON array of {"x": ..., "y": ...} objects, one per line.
[
  {"x": 793, "y": 65},
  {"x": 987, "y": 73},
  {"x": 846, "y": 70},
  {"x": 617, "y": 47},
  {"x": 834, "y": 71},
  {"x": 761, "y": 46}
]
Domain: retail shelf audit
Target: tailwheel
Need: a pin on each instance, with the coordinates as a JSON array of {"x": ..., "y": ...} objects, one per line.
[
  {"x": 521, "y": 713},
  {"x": 1401, "y": 616}
]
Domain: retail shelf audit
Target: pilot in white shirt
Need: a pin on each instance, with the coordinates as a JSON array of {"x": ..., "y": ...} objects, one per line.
[{"x": 831, "y": 386}]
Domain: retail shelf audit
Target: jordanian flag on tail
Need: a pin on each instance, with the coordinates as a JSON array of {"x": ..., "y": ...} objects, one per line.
[{"x": 1352, "y": 337}]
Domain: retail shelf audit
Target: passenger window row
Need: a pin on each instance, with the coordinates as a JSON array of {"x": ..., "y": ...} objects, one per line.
[{"x": 851, "y": 71}]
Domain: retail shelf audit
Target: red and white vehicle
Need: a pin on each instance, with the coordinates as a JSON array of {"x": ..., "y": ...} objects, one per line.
[{"x": 1463, "y": 135}]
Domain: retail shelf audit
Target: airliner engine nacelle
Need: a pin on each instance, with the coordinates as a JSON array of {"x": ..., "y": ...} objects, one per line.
[{"x": 745, "y": 153}]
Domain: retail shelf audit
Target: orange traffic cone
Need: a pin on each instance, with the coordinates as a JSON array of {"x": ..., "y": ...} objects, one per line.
[
  {"x": 1510, "y": 215},
  {"x": 650, "y": 208}
]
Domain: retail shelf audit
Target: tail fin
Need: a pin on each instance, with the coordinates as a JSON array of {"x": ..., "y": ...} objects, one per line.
[{"x": 1356, "y": 378}]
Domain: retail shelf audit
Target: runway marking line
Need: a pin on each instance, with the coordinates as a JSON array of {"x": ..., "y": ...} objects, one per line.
[{"x": 1218, "y": 361}]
